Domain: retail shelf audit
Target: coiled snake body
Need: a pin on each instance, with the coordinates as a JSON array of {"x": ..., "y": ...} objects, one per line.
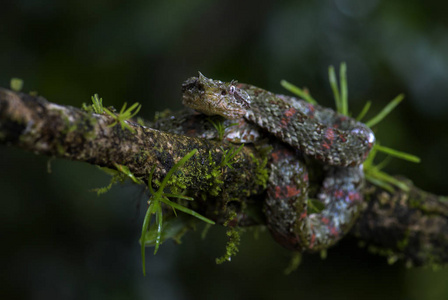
[{"x": 340, "y": 143}]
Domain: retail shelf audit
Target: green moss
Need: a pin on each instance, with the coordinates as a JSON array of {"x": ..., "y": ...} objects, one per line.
[
  {"x": 174, "y": 228},
  {"x": 261, "y": 171},
  {"x": 184, "y": 178},
  {"x": 205, "y": 230},
  {"x": 87, "y": 108},
  {"x": 294, "y": 263},
  {"x": 214, "y": 177},
  {"x": 88, "y": 127},
  {"x": 142, "y": 157},
  {"x": 323, "y": 254},
  {"x": 69, "y": 127},
  {"x": 60, "y": 149},
  {"x": 390, "y": 254},
  {"x": 233, "y": 243},
  {"x": 162, "y": 114},
  {"x": 124, "y": 115},
  {"x": 404, "y": 242},
  {"x": 121, "y": 174},
  {"x": 141, "y": 121},
  {"x": 155, "y": 206},
  {"x": 218, "y": 123},
  {"x": 16, "y": 84},
  {"x": 89, "y": 134}
]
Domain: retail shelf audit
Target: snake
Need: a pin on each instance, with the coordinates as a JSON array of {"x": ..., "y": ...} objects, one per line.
[{"x": 303, "y": 133}]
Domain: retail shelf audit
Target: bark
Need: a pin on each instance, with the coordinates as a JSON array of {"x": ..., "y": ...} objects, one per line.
[
  {"x": 402, "y": 225},
  {"x": 412, "y": 226}
]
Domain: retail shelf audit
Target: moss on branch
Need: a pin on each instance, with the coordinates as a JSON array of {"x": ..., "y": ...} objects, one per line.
[{"x": 410, "y": 225}]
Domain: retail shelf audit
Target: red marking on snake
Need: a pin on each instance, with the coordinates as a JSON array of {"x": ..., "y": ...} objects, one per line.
[
  {"x": 278, "y": 192},
  {"x": 325, "y": 220},
  {"x": 284, "y": 122},
  {"x": 310, "y": 112},
  {"x": 311, "y": 107},
  {"x": 329, "y": 137},
  {"x": 290, "y": 112},
  {"x": 338, "y": 194},
  {"x": 292, "y": 191},
  {"x": 279, "y": 154},
  {"x": 303, "y": 215},
  {"x": 276, "y": 155},
  {"x": 334, "y": 231},
  {"x": 329, "y": 134},
  {"x": 313, "y": 238},
  {"x": 354, "y": 196}
]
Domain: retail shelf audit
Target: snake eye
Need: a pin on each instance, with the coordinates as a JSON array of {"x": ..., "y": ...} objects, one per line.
[{"x": 232, "y": 89}]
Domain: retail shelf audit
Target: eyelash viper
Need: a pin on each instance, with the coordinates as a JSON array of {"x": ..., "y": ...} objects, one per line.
[{"x": 304, "y": 133}]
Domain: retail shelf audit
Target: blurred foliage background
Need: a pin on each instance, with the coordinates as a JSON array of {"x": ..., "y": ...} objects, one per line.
[{"x": 62, "y": 241}]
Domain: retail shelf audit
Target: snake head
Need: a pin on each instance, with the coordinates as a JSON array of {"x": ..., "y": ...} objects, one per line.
[{"x": 214, "y": 97}]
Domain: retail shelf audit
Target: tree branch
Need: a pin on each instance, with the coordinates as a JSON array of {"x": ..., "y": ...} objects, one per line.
[
  {"x": 403, "y": 225},
  {"x": 34, "y": 124},
  {"x": 412, "y": 225}
]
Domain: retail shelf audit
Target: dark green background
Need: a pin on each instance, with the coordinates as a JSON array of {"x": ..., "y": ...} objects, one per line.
[{"x": 59, "y": 240}]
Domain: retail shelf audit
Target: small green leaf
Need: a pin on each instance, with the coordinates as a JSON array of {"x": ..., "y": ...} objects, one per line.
[
  {"x": 179, "y": 164},
  {"x": 298, "y": 91},
  {"x": 205, "y": 231},
  {"x": 124, "y": 115},
  {"x": 399, "y": 154},
  {"x": 386, "y": 110},
  {"x": 125, "y": 170},
  {"x": 296, "y": 260},
  {"x": 178, "y": 196},
  {"x": 172, "y": 228},
  {"x": 323, "y": 254},
  {"x": 133, "y": 110},
  {"x": 187, "y": 210},
  {"x": 232, "y": 244},
  {"x": 145, "y": 226},
  {"x": 219, "y": 128},
  {"x": 315, "y": 206},
  {"x": 97, "y": 104},
  {"x": 384, "y": 163},
  {"x": 384, "y": 180},
  {"x": 380, "y": 183},
  {"x": 228, "y": 155},
  {"x": 334, "y": 87},
  {"x": 157, "y": 198},
  {"x": 344, "y": 88},
  {"x": 364, "y": 110},
  {"x": 159, "y": 221},
  {"x": 16, "y": 84}
]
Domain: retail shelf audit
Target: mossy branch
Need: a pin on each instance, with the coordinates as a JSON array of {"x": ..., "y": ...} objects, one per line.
[
  {"x": 34, "y": 124},
  {"x": 412, "y": 225}
]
